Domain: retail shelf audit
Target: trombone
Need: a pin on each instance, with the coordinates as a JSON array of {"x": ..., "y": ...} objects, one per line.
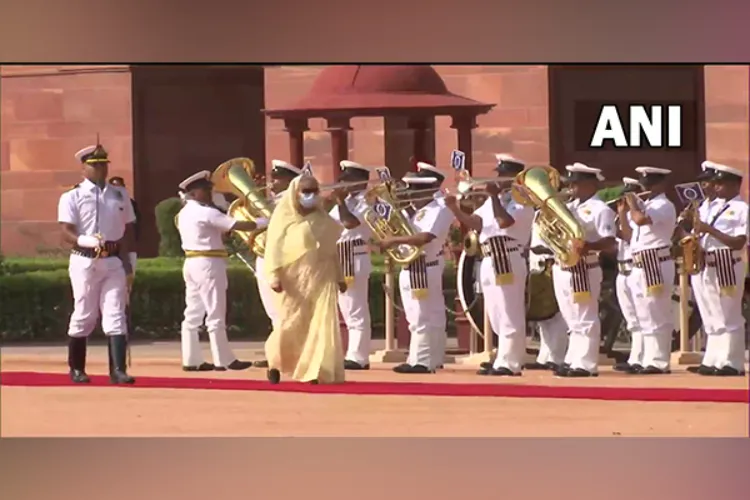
[{"x": 617, "y": 200}]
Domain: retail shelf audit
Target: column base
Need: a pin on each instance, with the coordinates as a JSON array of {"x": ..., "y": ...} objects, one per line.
[
  {"x": 392, "y": 356},
  {"x": 682, "y": 358}
]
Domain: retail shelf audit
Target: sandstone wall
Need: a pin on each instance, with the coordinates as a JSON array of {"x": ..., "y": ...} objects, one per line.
[{"x": 47, "y": 113}]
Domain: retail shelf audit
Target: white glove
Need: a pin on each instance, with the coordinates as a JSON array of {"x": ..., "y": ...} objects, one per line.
[
  {"x": 261, "y": 222},
  {"x": 85, "y": 241}
]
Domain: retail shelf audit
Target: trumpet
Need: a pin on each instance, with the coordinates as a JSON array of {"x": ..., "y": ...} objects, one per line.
[
  {"x": 465, "y": 186},
  {"x": 349, "y": 184},
  {"x": 617, "y": 200}
]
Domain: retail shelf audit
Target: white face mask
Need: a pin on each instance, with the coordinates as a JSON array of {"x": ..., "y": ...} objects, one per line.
[{"x": 308, "y": 200}]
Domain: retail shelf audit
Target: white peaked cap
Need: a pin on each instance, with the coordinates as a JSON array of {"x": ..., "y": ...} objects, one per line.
[
  {"x": 630, "y": 180},
  {"x": 708, "y": 164},
  {"x": 286, "y": 166},
  {"x": 585, "y": 169},
  {"x": 430, "y": 168},
  {"x": 652, "y": 171},
  {"x": 727, "y": 169},
  {"x": 85, "y": 151},
  {"x": 506, "y": 157},
  {"x": 419, "y": 180},
  {"x": 203, "y": 175},
  {"x": 344, "y": 164}
]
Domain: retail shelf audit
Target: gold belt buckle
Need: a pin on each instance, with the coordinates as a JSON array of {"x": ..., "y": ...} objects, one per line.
[{"x": 104, "y": 253}]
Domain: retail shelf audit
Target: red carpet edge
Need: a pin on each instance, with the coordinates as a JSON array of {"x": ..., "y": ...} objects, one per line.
[{"x": 660, "y": 394}]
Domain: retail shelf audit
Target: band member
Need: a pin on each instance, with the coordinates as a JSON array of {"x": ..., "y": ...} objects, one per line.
[
  {"x": 578, "y": 288},
  {"x": 282, "y": 174},
  {"x": 97, "y": 219},
  {"x": 202, "y": 226},
  {"x": 356, "y": 263},
  {"x": 625, "y": 291},
  {"x": 719, "y": 296},
  {"x": 504, "y": 229},
  {"x": 421, "y": 283},
  {"x": 648, "y": 225},
  {"x": 553, "y": 332}
]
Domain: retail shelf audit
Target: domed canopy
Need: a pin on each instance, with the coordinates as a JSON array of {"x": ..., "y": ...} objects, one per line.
[{"x": 360, "y": 90}]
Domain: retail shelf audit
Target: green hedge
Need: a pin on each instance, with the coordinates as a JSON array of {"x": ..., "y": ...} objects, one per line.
[{"x": 35, "y": 305}]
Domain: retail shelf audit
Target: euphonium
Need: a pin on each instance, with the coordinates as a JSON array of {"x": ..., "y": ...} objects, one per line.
[
  {"x": 693, "y": 255},
  {"x": 558, "y": 227},
  {"x": 235, "y": 176},
  {"x": 385, "y": 220}
]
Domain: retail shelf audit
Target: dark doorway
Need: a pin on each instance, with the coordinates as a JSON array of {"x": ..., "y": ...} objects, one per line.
[
  {"x": 624, "y": 83},
  {"x": 187, "y": 119}
]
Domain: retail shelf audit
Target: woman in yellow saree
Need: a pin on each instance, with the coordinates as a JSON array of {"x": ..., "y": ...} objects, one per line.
[{"x": 302, "y": 267}]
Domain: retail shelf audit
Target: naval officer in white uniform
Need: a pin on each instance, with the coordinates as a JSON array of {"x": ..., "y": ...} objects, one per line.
[
  {"x": 202, "y": 226},
  {"x": 97, "y": 219},
  {"x": 356, "y": 262}
]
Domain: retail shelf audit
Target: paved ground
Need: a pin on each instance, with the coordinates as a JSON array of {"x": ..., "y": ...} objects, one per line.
[{"x": 68, "y": 411}]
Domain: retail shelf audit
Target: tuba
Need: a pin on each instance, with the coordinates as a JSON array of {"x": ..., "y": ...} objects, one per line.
[
  {"x": 235, "y": 177},
  {"x": 689, "y": 248},
  {"x": 558, "y": 227},
  {"x": 385, "y": 220}
]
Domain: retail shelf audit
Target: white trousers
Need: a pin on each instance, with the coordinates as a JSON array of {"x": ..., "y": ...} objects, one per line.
[
  {"x": 266, "y": 294},
  {"x": 426, "y": 319},
  {"x": 99, "y": 287},
  {"x": 582, "y": 319},
  {"x": 506, "y": 310},
  {"x": 655, "y": 316},
  {"x": 722, "y": 319},
  {"x": 205, "y": 296},
  {"x": 626, "y": 300},
  {"x": 354, "y": 305},
  {"x": 553, "y": 336},
  {"x": 133, "y": 257}
]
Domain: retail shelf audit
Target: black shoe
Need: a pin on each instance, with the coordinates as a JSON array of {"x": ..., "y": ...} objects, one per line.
[
  {"x": 407, "y": 368},
  {"x": 313, "y": 382},
  {"x": 562, "y": 370},
  {"x": 261, "y": 364},
  {"x": 580, "y": 373},
  {"x": 118, "y": 354},
  {"x": 634, "y": 369},
  {"x": 699, "y": 368},
  {"x": 203, "y": 367},
  {"x": 274, "y": 375},
  {"x": 536, "y": 366},
  {"x": 485, "y": 365},
  {"x": 236, "y": 365},
  {"x": 621, "y": 367},
  {"x": 77, "y": 360},
  {"x": 728, "y": 371},
  {"x": 652, "y": 370},
  {"x": 550, "y": 366},
  {"x": 353, "y": 365},
  {"x": 499, "y": 372},
  {"x": 79, "y": 377}
]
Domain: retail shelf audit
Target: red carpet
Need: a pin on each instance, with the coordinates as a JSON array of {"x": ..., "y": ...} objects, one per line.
[{"x": 36, "y": 379}]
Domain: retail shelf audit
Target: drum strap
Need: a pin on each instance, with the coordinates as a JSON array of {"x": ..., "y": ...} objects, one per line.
[
  {"x": 418, "y": 281},
  {"x": 650, "y": 261},
  {"x": 497, "y": 249},
  {"x": 723, "y": 260},
  {"x": 346, "y": 258}
]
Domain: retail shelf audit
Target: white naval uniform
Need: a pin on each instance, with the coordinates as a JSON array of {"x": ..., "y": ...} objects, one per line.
[
  {"x": 706, "y": 210},
  {"x": 721, "y": 309},
  {"x": 502, "y": 274},
  {"x": 355, "y": 258},
  {"x": 581, "y": 314},
  {"x": 99, "y": 285},
  {"x": 553, "y": 332},
  {"x": 625, "y": 290},
  {"x": 264, "y": 290},
  {"x": 650, "y": 246},
  {"x": 201, "y": 229},
  {"x": 426, "y": 314}
]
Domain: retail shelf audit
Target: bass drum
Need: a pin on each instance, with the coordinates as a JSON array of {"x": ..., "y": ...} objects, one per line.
[{"x": 470, "y": 290}]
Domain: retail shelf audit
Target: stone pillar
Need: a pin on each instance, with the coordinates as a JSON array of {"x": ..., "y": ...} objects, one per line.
[
  {"x": 339, "y": 129},
  {"x": 296, "y": 128},
  {"x": 420, "y": 129},
  {"x": 464, "y": 126}
]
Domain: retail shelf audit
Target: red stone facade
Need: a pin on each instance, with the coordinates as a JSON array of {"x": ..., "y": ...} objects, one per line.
[{"x": 47, "y": 113}]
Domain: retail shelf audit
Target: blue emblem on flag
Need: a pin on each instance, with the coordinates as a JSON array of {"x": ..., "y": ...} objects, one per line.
[
  {"x": 382, "y": 208},
  {"x": 384, "y": 173},
  {"x": 689, "y": 191},
  {"x": 307, "y": 169},
  {"x": 458, "y": 160}
]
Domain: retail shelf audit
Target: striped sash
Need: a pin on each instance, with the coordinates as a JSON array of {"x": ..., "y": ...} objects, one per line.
[
  {"x": 498, "y": 250},
  {"x": 346, "y": 250},
  {"x": 418, "y": 277},
  {"x": 650, "y": 261}
]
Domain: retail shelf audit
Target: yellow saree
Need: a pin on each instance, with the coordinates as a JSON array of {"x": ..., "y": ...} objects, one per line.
[{"x": 301, "y": 255}]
